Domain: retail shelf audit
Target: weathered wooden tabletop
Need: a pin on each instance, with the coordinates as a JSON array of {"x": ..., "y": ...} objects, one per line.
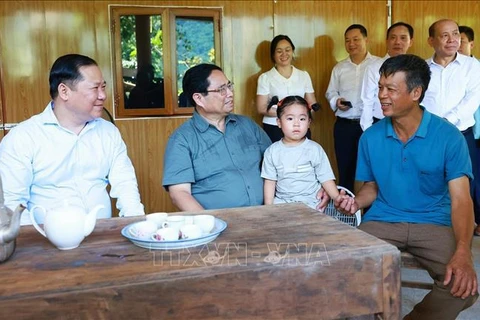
[{"x": 272, "y": 262}]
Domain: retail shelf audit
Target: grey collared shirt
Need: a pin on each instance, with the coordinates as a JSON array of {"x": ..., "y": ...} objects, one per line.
[{"x": 223, "y": 168}]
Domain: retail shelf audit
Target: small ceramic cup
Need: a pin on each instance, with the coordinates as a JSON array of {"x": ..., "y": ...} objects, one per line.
[
  {"x": 174, "y": 222},
  {"x": 143, "y": 229},
  {"x": 166, "y": 234},
  {"x": 157, "y": 217},
  {"x": 188, "y": 219},
  {"x": 190, "y": 231},
  {"x": 205, "y": 222}
]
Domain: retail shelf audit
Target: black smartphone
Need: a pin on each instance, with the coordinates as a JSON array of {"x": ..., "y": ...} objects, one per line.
[{"x": 346, "y": 104}]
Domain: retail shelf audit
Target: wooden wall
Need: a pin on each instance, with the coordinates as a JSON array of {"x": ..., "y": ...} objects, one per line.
[
  {"x": 421, "y": 14},
  {"x": 34, "y": 33},
  {"x": 2, "y": 95}
]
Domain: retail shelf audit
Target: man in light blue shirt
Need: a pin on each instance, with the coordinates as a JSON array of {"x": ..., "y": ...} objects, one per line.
[
  {"x": 68, "y": 152},
  {"x": 213, "y": 160},
  {"x": 416, "y": 170}
]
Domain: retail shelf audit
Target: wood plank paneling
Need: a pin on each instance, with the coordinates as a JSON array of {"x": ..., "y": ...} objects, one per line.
[
  {"x": 24, "y": 36},
  {"x": 320, "y": 45},
  {"x": 146, "y": 142},
  {"x": 34, "y": 33},
  {"x": 247, "y": 34},
  {"x": 2, "y": 95},
  {"x": 421, "y": 14}
]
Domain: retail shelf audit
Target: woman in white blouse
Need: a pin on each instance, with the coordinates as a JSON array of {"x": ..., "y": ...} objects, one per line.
[{"x": 281, "y": 81}]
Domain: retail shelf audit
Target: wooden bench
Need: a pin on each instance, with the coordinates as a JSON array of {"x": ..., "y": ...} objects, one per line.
[{"x": 409, "y": 262}]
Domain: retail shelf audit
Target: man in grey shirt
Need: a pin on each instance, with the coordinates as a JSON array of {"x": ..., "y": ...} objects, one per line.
[{"x": 213, "y": 160}]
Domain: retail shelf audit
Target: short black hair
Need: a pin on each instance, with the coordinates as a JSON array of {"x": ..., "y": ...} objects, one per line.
[
  {"x": 274, "y": 43},
  {"x": 66, "y": 69},
  {"x": 288, "y": 101},
  {"x": 401, "y": 24},
  {"x": 362, "y": 29},
  {"x": 468, "y": 32},
  {"x": 417, "y": 72},
  {"x": 195, "y": 80}
]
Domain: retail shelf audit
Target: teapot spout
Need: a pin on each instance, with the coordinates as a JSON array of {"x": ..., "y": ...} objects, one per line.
[
  {"x": 9, "y": 232},
  {"x": 91, "y": 219}
]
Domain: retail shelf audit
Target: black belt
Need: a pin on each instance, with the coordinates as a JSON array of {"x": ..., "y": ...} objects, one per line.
[{"x": 348, "y": 120}]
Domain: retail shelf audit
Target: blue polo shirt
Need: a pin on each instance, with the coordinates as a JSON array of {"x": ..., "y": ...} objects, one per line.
[
  {"x": 223, "y": 168},
  {"x": 413, "y": 177}
]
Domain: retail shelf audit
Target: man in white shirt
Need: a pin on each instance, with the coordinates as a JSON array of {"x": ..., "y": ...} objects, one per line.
[
  {"x": 68, "y": 152},
  {"x": 466, "y": 45},
  {"x": 399, "y": 40},
  {"x": 343, "y": 94},
  {"x": 454, "y": 90},
  {"x": 467, "y": 36}
]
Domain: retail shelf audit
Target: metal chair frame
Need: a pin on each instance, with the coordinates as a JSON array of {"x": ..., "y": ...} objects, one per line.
[{"x": 353, "y": 220}]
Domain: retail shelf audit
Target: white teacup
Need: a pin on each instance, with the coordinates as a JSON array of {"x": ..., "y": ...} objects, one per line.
[
  {"x": 190, "y": 231},
  {"x": 143, "y": 230},
  {"x": 174, "y": 222},
  {"x": 205, "y": 222},
  {"x": 166, "y": 234},
  {"x": 157, "y": 217},
  {"x": 188, "y": 219}
]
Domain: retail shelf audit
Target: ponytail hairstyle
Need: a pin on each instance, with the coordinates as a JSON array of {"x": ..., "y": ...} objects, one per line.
[{"x": 288, "y": 101}]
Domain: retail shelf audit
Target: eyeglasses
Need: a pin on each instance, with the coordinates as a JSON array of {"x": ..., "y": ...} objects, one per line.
[{"x": 223, "y": 89}]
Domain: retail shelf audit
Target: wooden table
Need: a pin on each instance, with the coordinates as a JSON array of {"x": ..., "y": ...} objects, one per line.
[{"x": 272, "y": 262}]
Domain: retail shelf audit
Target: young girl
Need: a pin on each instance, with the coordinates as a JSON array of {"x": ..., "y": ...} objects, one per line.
[{"x": 295, "y": 167}]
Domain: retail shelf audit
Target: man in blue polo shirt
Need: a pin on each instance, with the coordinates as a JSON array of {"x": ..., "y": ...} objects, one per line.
[
  {"x": 213, "y": 160},
  {"x": 416, "y": 169}
]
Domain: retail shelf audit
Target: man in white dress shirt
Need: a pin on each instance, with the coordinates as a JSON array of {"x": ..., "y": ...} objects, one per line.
[
  {"x": 68, "y": 152},
  {"x": 454, "y": 90},
  {"x": 343, "y": 95},
  {"x": 399, "y": 40}
]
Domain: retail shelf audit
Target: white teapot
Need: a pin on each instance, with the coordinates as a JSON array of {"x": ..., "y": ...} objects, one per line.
[
  {"x": 66, "y": 226},
  {"x": 9, "y": 227}
]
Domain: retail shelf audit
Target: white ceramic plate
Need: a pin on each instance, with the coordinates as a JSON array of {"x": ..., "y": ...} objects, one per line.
[{"x": 220, "y": 225}]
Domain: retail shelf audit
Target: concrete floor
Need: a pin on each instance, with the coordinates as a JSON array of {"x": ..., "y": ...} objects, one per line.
[{"x": 410, "y": 297}]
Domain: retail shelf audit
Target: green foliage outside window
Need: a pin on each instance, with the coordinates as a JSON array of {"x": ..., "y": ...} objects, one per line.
[
  {"x": 195, "y": 44},
  {"x": 151, "y": 63}
]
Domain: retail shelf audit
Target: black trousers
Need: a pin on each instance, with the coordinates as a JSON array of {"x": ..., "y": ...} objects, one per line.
[
  {"x": 476, "y": 206},
  {"x": 475, "y": 183},
  {"x": 346, "y": 134}
]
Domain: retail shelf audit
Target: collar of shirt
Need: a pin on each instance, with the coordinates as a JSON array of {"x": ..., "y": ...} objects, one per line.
[
  {"x": 459, "y": 58},
  {"x": 281, "y": 78},
  {"x": 367, "y": 58},
  {"x": 202, "y": 125},
  {"x": 422, "y": 128},
  {"x": 47, "y": 117}
]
